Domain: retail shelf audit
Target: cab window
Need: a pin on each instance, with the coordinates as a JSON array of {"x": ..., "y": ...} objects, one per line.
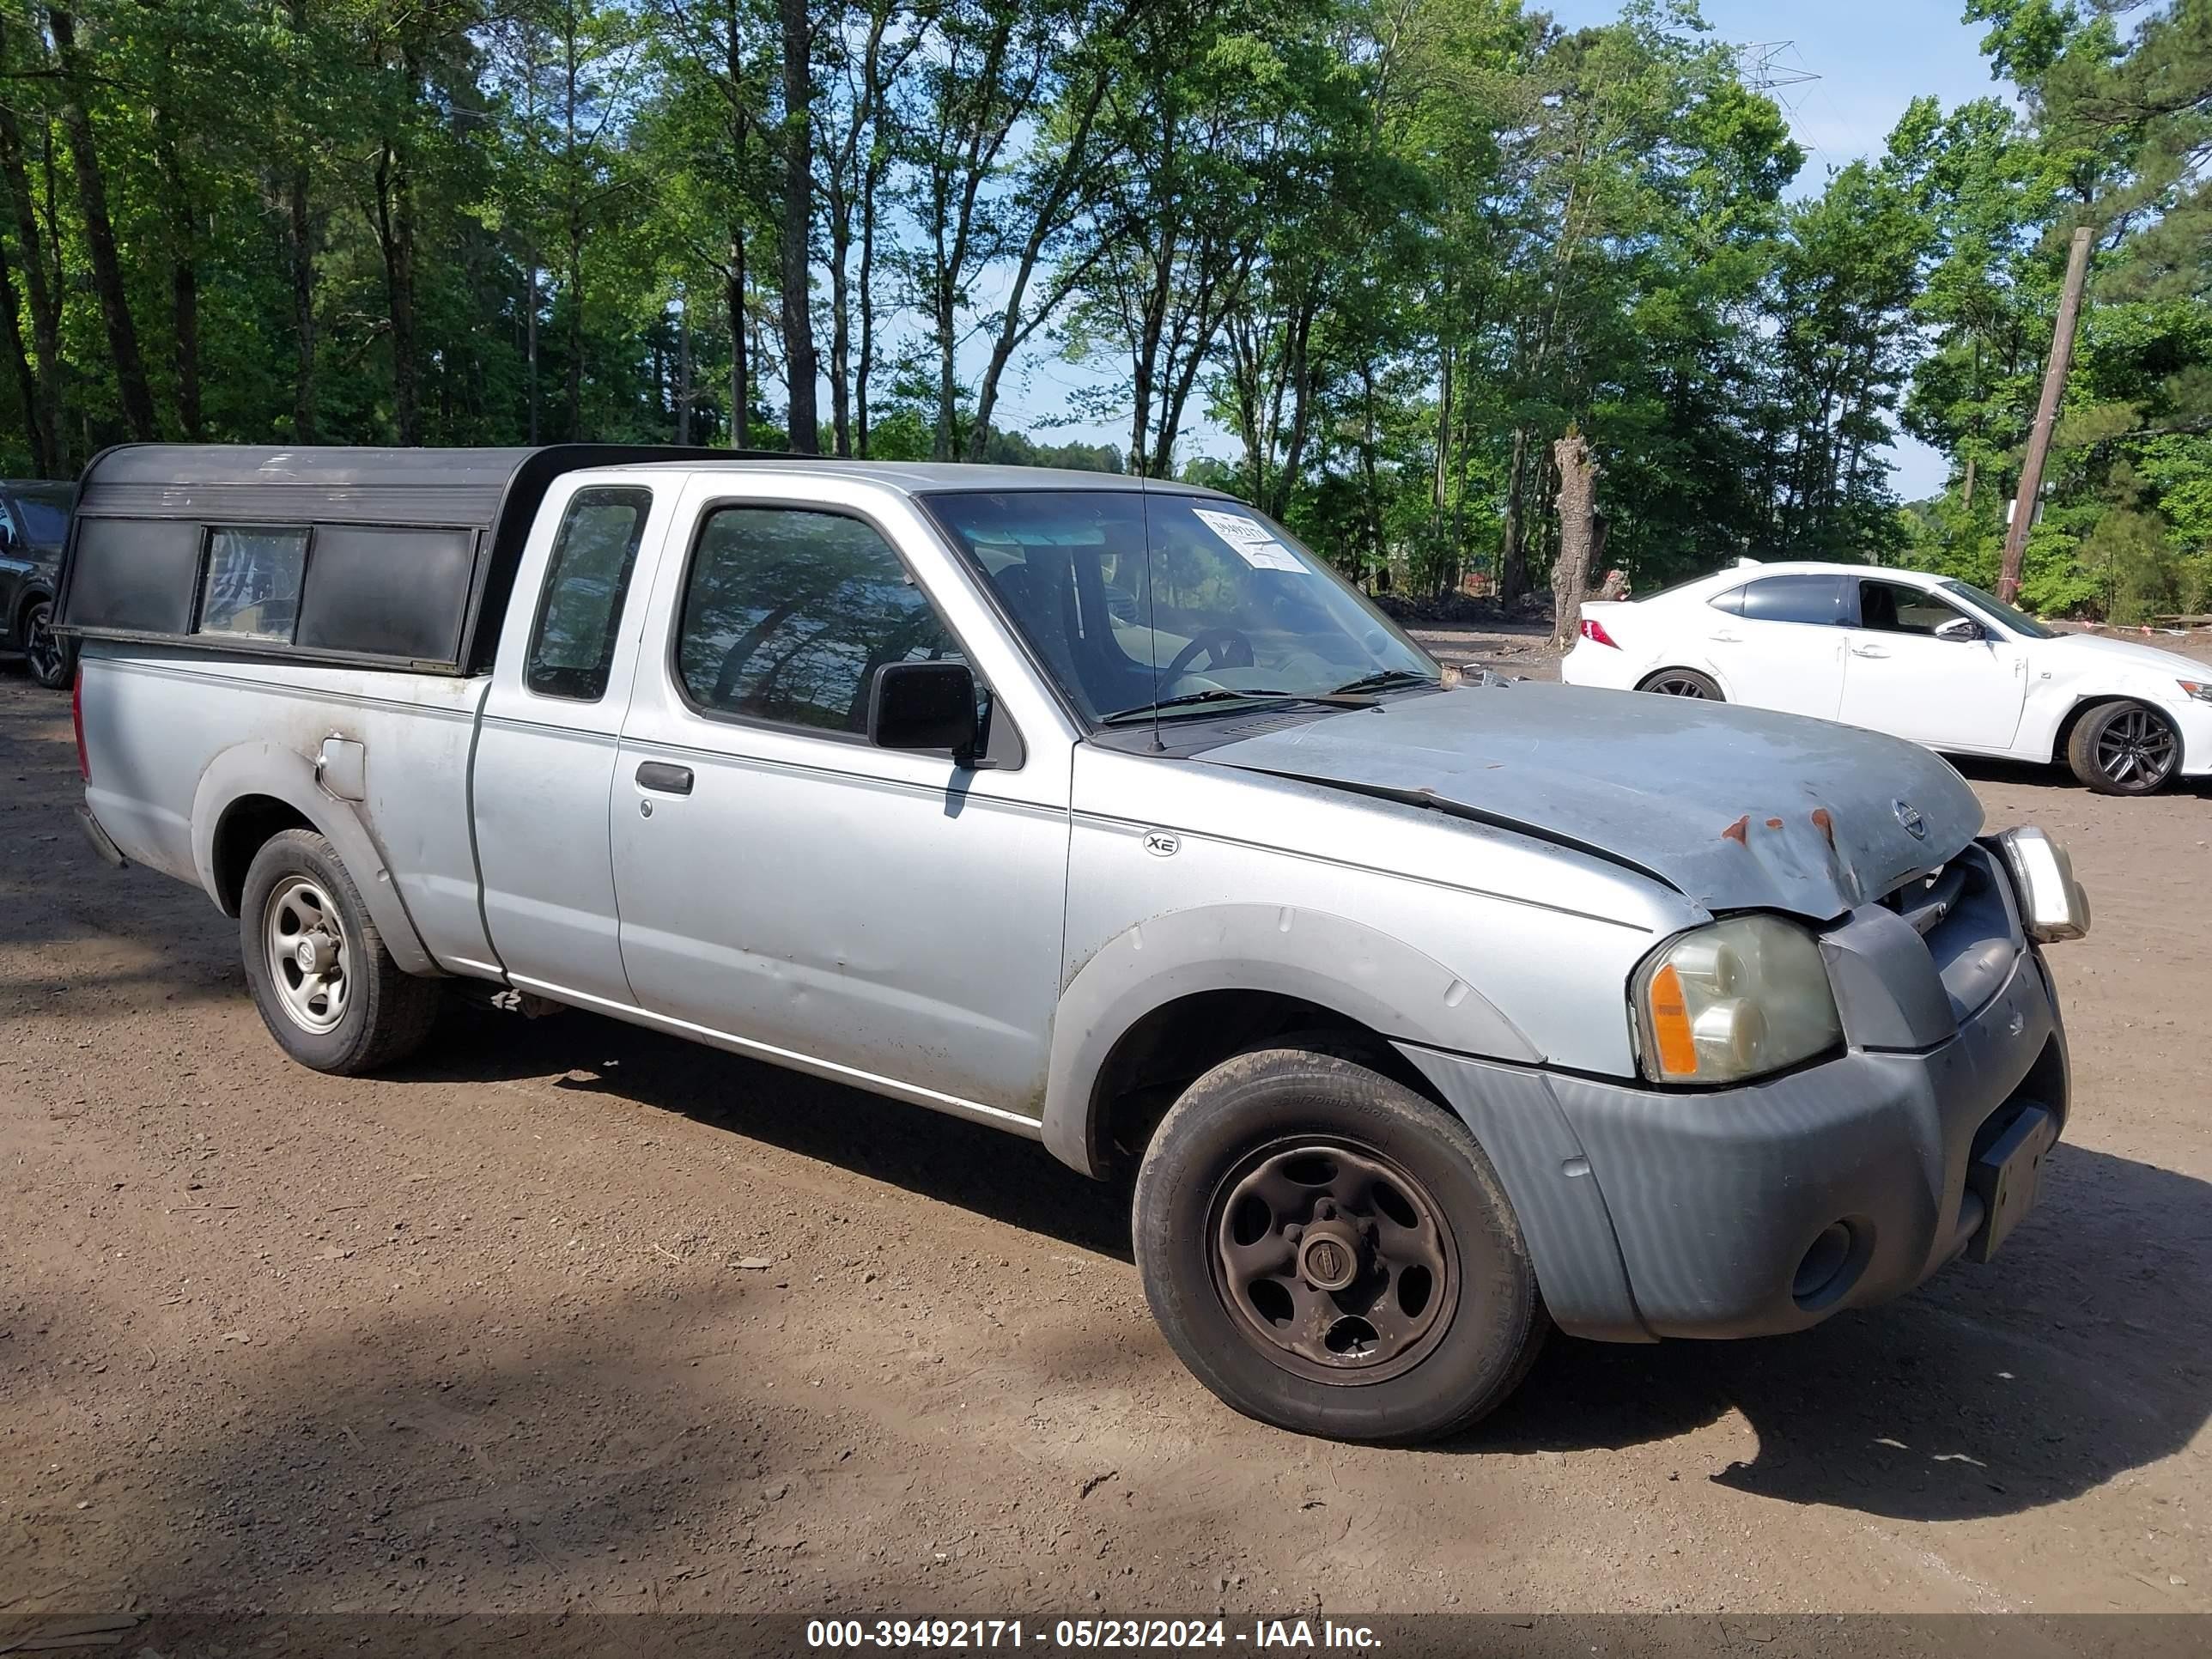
[
  {"x": 571, "y": 646},
  {"x": 788, "y": 612}
]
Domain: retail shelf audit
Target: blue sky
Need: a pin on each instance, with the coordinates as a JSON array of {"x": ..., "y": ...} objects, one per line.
[{"x": 1872, "y": 58}]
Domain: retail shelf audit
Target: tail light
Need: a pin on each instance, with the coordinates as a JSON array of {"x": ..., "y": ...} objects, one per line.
[
  {"x": 1594, "y": 631},
  {"x": 77, "y": 719}
]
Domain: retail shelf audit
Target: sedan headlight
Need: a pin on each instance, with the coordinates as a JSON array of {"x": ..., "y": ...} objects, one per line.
[
  {"x": 1735, "y": 1000},
  {"x": 2196, "y": 689}
]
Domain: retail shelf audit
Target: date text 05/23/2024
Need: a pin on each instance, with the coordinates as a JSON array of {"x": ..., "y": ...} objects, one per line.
[{"x": 1289, "y": 1635}]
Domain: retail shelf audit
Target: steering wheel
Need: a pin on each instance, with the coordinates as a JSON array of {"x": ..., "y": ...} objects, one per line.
[{"x": 1226, "y": 647}]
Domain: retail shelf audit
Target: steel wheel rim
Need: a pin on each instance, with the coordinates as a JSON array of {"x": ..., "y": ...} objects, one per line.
[
  {"x": 1332, "y": 1260},
  {"x": 309, "y": 955},
  {"x": 2136, "y": 749},
  {"x": 42, "y": 647},
  {"x": 1676, "y": 685}
]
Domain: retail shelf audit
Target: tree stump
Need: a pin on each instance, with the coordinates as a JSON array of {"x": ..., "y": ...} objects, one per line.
[{"x": 1577, "y": 507}]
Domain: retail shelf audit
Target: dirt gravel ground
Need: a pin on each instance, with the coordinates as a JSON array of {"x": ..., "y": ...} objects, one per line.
[{"x": 568, "y": 1315}]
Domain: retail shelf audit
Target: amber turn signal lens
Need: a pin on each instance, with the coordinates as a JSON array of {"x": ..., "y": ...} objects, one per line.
[
  {"x": 1671, "y": 1031},
  {"x": 1732, "y": 1000}
]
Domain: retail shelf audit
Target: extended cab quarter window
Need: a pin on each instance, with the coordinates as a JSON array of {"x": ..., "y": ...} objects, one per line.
[
  {"x": 1794, "y": 599},
  {"x": 573, "y": 646},
  {"x": 788, "y": 612},
  {"x": 252, "y": 587}
]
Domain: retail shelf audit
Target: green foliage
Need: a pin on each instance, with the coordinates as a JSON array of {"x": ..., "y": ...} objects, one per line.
[
  {"x": 1393, "y": 248},
  {"x": 2115, "y": 138}
]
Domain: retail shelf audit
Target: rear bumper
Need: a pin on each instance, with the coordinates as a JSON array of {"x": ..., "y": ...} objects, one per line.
[
  {"x": 1602, "y": 665},
  {"x": 102, "y": 842},
  {"x": 1665, "y": 1214}
]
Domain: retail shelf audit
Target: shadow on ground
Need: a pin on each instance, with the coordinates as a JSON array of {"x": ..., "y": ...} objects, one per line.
[
  {"x": 946, "y": 1159},
  {"x": 564, "y": 1456},
  {"x": 1982, "y": 769},
  {"x": 2074, "y": 1358}
]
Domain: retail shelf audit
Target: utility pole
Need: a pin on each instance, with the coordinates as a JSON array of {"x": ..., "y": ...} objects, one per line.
[{"x": 2046, "y": 416}]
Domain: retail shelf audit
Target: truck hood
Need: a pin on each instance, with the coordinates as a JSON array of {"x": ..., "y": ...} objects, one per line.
[{"x": 1735, "y": 808}]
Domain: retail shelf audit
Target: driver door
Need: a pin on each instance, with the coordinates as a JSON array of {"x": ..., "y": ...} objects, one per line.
[
  {"x": 786, "y": 886},
  {"x": 1899, "y": 677}
]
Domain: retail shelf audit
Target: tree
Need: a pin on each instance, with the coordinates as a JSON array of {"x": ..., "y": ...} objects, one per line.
[
  {"x": 801, "y": 367},
  {"x": 99, "y": 232},
  {"x": 1391, "y": 248}
]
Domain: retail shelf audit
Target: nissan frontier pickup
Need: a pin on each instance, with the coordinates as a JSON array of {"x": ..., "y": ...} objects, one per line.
[{"x": 1428, "y": 1011}]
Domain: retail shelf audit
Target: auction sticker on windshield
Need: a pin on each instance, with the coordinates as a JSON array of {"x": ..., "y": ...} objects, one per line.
[{"x": 1248, "y": 539}]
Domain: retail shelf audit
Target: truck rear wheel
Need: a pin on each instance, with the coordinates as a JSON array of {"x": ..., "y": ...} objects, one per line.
[
  {"x": 1331, "y": 1253},
  {"x": 327, "y": 989}
]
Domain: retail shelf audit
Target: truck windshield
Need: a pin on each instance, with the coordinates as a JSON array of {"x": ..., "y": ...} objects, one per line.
[{"x": 1223, "y": 609}]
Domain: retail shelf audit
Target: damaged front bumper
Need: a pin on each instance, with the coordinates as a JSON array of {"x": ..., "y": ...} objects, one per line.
[{"x": 1768, "y": 1207}]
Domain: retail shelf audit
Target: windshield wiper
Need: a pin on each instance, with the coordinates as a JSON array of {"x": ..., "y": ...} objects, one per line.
[
  {"x": 1385, "y": 679},
  {"x": 1337, "y": 699}
]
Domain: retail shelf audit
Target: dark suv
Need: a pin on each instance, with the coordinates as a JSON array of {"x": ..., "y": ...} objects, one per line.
[{"x": 34, "y": 515}]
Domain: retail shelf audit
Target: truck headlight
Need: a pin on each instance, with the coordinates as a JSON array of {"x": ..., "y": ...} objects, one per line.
[
  {"x": 1734, "y": 1000},
  {"x": 2052, "y": 905}
]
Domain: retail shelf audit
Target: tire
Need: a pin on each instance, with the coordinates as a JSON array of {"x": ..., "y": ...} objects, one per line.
[
  {"x": 2124, "y": 748},
  {"x": 51, "y": 660},
  {"x": 370, "y": 1014},
  {"x": 1241, "y": 1159},
  {"x": 1683, "y": 683}
]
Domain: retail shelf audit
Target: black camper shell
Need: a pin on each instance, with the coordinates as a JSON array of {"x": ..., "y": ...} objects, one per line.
[{"x": 380, "y": 558}]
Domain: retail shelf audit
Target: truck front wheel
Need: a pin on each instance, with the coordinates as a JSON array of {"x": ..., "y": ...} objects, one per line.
[
  {"x": 327, "y": 989},
  {"x": 1331, "y": 1253}
]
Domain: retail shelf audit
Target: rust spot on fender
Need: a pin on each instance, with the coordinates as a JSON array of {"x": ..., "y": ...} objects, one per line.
[
  {"x": 1824, "y": 824},
  {"x": 1739, "y": 832},
  {"x": 1774, "y": 823}
]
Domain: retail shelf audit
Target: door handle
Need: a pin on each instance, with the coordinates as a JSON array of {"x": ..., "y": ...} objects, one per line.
[
  {"x": 666, "y": 778},
  {"x": 1869, "y": 650}
]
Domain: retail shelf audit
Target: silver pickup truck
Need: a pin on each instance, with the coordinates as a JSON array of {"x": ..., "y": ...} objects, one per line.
[{"x": 1428, "y": 1011}]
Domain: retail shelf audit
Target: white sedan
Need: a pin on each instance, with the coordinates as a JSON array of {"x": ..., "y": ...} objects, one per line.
[{"x": 1923, "y": 657}]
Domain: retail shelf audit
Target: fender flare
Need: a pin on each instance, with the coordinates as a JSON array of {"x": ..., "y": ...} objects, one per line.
[
  {"x": 262, "y": 768},
  {"x": 1333, "y": 962}
]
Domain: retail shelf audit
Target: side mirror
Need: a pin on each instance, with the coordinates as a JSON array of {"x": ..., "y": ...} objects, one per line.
[
  {"x": 1961, "y": 628},
  {"x": 924, "y": 705}
]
